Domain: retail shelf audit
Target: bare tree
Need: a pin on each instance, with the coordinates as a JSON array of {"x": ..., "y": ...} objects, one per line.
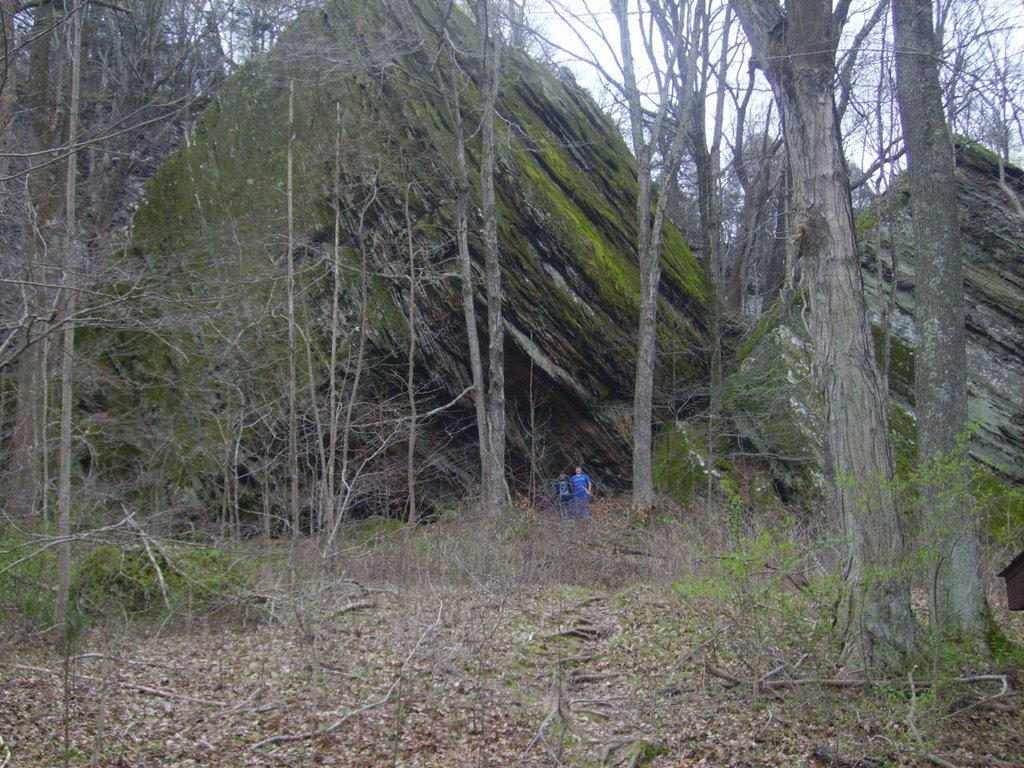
[
  {"x": 71, "y": 265},
  {"x": 648, "y": 135},
  {"x": 490, "y": 46},
  {"x": 449, "y": 80},
  {"x": 796, "y": 49},
  {"x": 289, "y": 256},
  {"x": 940, "y": 360}
]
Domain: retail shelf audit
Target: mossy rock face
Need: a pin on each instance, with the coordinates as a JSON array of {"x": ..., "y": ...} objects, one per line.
[
  {"x": 374, "y": 186},
  {"x": 992, "y": 241},
  {"x": 681, "y": 462},
  {"x": 773, "y": 401}
]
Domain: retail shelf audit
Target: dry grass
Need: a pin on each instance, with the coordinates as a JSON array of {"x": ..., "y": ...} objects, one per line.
[{"x": 524, "y": 641}]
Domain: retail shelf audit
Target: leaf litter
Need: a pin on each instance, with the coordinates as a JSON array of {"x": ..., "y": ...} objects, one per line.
[{"x": 518, "y": 669}]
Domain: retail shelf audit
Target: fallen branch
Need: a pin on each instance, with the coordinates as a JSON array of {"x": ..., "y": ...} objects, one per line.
[
  {"x": 359, "y": 605},
  {"x": 167, "y": 694},
  {"x": 996, "y": 701},
  {"x": 286, "y": 738},
  {"x": 240, "y": 705},
  {"x": 131, "y": 686},
  {"x": 575, "y": 679},
  {"x": 539, "y": 734},
  {"x": 721, "y": 674},
  {"x": 833, "y": 759},
  {"x": 122, "y": 660},
  {"x": 768, "y": 682}
]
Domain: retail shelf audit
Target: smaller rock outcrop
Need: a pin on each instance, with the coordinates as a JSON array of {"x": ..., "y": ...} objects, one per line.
[{"x": 991, "y": 195}]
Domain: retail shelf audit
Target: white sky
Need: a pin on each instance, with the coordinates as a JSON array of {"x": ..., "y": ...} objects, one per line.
[{"x": 594, "y": 34}]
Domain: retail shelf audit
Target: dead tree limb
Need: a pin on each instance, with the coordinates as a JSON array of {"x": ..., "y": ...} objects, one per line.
[
  {"x": 833, "y": 759},
  {"x": 286, "y": 738}
]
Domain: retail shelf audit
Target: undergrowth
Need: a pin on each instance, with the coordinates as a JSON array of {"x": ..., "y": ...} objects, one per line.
[{"x": 655, "y": 642}]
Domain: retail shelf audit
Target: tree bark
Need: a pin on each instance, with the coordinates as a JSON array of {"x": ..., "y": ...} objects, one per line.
[
  {"x": 412, "y": 513},
  {"x": 450, "y": 89},
  {"x": 940, "y": 361},
  {"x": 650, "y": 220},
  {"x": 293, "y": 419},
  {"x": 74, "y": 32},
  {"x": 490, "y": 54},
  {"x": 797, "y": 52}
]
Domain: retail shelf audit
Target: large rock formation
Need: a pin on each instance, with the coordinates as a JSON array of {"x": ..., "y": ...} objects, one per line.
[
  {"x": 772, "y": 397},
  {"x": 992, "y": 226},
  {"x": 373, "y": 139}
]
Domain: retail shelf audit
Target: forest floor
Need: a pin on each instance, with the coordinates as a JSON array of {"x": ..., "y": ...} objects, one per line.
[{"x": 535, "y": 643}]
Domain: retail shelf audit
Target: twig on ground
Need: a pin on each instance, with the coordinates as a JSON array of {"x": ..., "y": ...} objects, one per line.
[
  {"x": 996, "y": 701},
  {"x": 122, "y": 660},
  {"x": 575, "y": 679},
  {"x": 721, "y": 674},
  {"x": 538, "y": 735},
  {"x": 240, "y": 705},
  {"x": 168, "y": 694},
  {"x": 358, "y": 605},
  {"x": 132, "y": 686},
  {"x": 833, "y": 759},
  {"x": 286, "y": 738},
  {"x": 931, "y": 757},
  {"x": 765, "y": 683}
]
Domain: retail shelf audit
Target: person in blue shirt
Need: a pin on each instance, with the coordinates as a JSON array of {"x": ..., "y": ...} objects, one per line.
[
  {"x": 564, "y": 490},
  {"x": 581, "y": 491}
]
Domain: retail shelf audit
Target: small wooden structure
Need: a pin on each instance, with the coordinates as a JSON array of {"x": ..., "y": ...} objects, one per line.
[{"x": 1014, "y": 575}]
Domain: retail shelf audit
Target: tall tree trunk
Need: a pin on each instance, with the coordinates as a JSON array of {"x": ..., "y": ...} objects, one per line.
[
  {"x": 940, "y": 360},
  {"x": 293, "y": 406},
  {"x": 650, "y": 220},
  {"x": 707, "y": 159},
  {"x": 8, "y": 90},
  {"x": 39, "y": 230},
  {"x": 650, "y": 274},
  {"x": 412, "y": 513},
  {"x": 797, "y": 52},
  {"x": 74, "y": 33},
  {"x": 330, "y": 493},
  {"x": 462, "y": 194},
  {"x": 490, "y": 55}
]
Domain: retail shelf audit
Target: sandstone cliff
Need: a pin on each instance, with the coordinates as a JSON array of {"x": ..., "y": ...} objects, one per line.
[{"x": 373, "y": 138}]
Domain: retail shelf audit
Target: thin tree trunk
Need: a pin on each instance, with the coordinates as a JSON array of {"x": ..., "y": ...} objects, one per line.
[
  {"x": 647, "y": 257},
  {"x": 412, "y": 514},
  {"x": 707, "y": 162},
  {"x": 74, "y": 36},
  {"x": 940, "y": 362},
  {"x": 293, "y": 419},
  {"x": 330, "y": 489},
  {"x": 650, "y": 220},
  {"x": 345, "y": 438},
  {"x": 490, "y": 53},
  {"x": 42, "y": 213},
  {"x": 463, "y": 188}
]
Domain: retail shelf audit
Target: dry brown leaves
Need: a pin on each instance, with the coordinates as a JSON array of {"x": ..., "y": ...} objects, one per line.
[{"x": 482, "y": 672}]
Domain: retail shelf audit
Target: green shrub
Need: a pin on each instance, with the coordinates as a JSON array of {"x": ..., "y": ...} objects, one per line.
[
  {"x": 135, "y": 581},
  {"x": 26, "y": 591}
]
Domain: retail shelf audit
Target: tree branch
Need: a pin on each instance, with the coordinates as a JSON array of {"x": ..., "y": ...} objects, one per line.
[{"x": 286, "y": 738}]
